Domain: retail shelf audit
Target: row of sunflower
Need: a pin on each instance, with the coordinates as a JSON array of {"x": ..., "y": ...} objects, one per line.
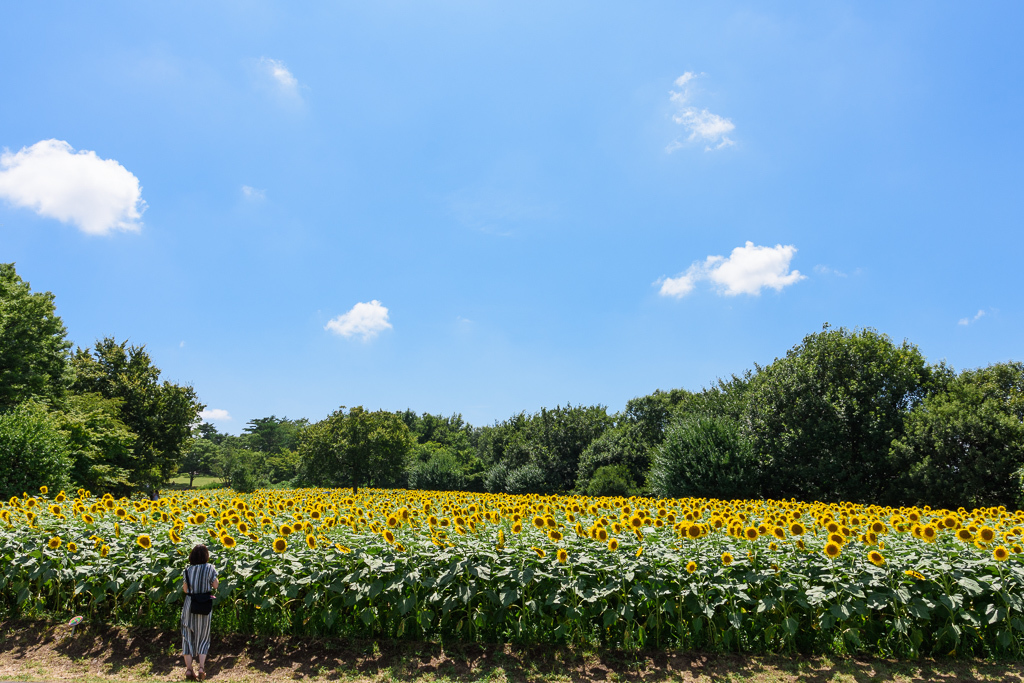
[{"x": 755, "y": 575}]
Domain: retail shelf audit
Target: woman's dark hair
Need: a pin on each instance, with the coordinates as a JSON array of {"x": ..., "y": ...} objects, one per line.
[{"x": 199, "y": 555}]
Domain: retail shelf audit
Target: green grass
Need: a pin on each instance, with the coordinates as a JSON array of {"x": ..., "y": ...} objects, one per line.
[{"x": 181, "y": 481}]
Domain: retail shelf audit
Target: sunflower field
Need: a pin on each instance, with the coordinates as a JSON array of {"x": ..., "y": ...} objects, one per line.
[{"x": 742, "y": 575}]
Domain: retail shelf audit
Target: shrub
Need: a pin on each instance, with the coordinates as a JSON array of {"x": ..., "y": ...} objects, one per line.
[
  {"x": 33, "y": 450},
  {"x": 611, "y": 480},
  {"x": 704, "y": 457},
  {"x": 441, "y": 472}
]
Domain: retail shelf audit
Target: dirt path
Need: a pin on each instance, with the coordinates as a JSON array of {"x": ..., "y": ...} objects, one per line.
[{"x": 40, "y": 652}]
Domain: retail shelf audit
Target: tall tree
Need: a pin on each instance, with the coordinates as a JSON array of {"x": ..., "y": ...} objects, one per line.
[
  {"x": 274, "y": 435},
  {"x": 540, "y": 453},
  {"x": 160, "y": 414},
  {"x": 100, "y": 443},
  {"x": 822, "y": 418},
  {"x": 355, "y": 448},
  {"x": 965, "y": 445},
  {"x": 33, "y": 345}
]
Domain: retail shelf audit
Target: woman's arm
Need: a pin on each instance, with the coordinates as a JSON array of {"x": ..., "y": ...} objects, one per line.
[{"x": 216, "y": 582}]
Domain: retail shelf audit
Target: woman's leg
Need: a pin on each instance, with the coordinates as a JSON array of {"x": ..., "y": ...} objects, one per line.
[
  {"x": 202, "y": 630},
  {"x": 188, "y": 646}
]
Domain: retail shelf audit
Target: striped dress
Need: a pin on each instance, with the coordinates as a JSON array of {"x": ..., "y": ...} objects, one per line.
[{"x": 195, "y": 628}]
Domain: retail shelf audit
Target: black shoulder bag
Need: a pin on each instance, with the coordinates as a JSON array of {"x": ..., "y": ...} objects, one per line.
[{"x": 202, "y": 603}]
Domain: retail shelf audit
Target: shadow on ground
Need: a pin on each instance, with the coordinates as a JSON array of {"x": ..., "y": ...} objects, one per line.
[{"x": 41, "y": 651}]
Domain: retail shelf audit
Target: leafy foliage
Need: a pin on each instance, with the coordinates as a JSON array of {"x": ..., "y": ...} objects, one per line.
[
  {"x": 965, "y": 444},
  {"x": 33, "y": 344},
  {"x": 33, "y": 449},
  {"x": 357, "y": 448},
  {"x": 160, "y": 415},
  {"x": 823, "y": 417},
  {"x": 441, "y": 472},
  {"x": 611, "y": 480},
  {"x": 705, "y": 456}
]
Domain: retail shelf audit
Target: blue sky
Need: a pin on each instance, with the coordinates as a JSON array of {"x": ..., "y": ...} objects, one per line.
[{"x": 484, "y": 208}]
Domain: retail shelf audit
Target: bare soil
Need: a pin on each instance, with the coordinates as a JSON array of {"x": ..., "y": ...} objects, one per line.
[{"x": 38, "y": 651}]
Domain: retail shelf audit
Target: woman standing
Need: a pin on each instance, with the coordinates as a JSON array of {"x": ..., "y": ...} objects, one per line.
[{"x": 200, "y": 579}]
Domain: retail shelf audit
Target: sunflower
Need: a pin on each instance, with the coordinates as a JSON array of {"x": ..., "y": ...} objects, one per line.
[
  {"x": 87, "y": 518},
  {"x": 72, "y": 547},
  {"x": 750, "y": 533},
  {"x": 987, "y": 534},
  {"x": 693, "y": 531},
  {"x": 837, "y": 539},
  {"x": 965, "y": 535},
  {"x": 311, "y": 542},
  {"x": 285, "y": 530},
  {"x": 55, "y": 509},
  {"x": 602, "y": 534},
  {"x": 639, "y": 551},
  {"x": 929, "y": 533},
  {"x": 200, "y": 518},
  {"x": 555, "y": 535},
  {"x": 517, "y": 527},
  {"x": 539, "y": 551},
  {"x": 636, "y": 521},
  {"x": 562, "y": 556},
  {"x": 340, "y": 548},
  {"x": 175, "y": 538},
  {"x": 613, "y": 545},
  {"x": 538, "y": 522},
  {"x": 1000, "y": 553},
  {"x": 227, "y": 541},
  {"x": 691, "y": 566},
  {"x": 104, "y": 550},
  {"x": 144, "y": 541},
  {"x": 832, "y": 549},
  {"x": 726, "y": 559},
  {"x": 392, "y": 521},
  {"x": 53, "y": 543},
  {"x": 388, "y": 536},
  {"x": 878, "y": 527},
  {"x": 876, "y": 558}
]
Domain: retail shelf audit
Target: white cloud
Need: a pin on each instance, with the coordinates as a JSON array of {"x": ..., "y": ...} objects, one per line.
[
  {"x": 968, "y": 321},
  {"x": 702, "y": 124},
  {"x": 284, "y": 80},
  {"x": 96, "y": 195},
  {"x": 685, "y": 78},
  {"x": 253, "y": 194},
  {"x": 748, "y": 270},
  {"x": 682, "y": 285},
  {"x": 215, "y": 414},
  {"x": 825, "y": 270},
  {"x": 365, "y": 320}
]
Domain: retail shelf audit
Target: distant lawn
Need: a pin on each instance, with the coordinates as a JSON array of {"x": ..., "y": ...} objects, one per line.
[{"x": 181, "y": 481}]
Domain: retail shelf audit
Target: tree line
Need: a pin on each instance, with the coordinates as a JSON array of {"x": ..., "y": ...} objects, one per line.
[{"x": 844, "y": 415}]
